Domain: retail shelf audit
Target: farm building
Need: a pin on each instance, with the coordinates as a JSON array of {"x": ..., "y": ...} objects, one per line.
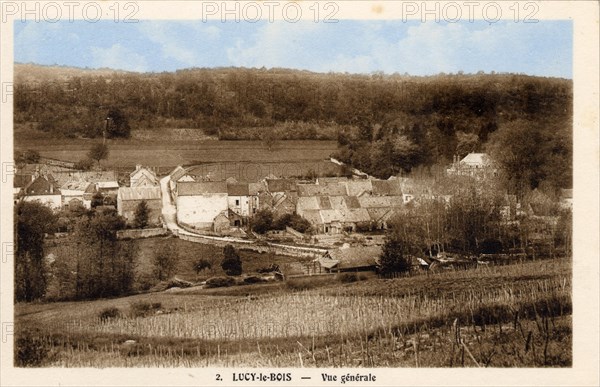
[
  {"x": 43, "y": 190},
  {"x": 199, "y": 203},
  {"x": 129, "y": 198},
  {"x": 332, "y": 214},
  {"x": 142, "y": 177},
  {"x": 347, "y": 259}
]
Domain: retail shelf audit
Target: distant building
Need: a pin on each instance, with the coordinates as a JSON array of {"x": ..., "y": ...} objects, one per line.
[
  {"x": 142, "y": 177},
  {"x": 243, "y": 201},
  {"x": 43, "y": 190},
  {"x": 348, "y": 259},
  {"x": 77, "y": 193},
  {"x": 179, "y": 174},
  {"x": 129, "y": 198},
  {"x": 478, "y": 165},
  {"x": 566, "y": 198},
  {"x": 199, "y": 203}
]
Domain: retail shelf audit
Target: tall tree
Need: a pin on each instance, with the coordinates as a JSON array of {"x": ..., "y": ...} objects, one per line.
[
  {"x": 32, "y": 221},
  {"x": 141, "y": 214},
  {"x": 118, "y": 124},
  {"x": 232, "y": 263},
  {"x": 98, "y": 152}
]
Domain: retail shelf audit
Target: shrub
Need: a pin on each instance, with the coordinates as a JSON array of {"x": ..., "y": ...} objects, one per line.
[
  {"x": 109, "y": 314},
  {"x": 31, "y": 351},
  {"x": 253, "y": 279},
  {"x": 219, "y": 282},
  {"x": 347, "y": 277},
  {"x": 232, "y": 263},
  {"x": 202, "y": 264}
]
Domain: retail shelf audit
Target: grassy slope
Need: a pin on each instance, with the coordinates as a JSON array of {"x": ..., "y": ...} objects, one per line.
[{"x": 515, "y": 315}]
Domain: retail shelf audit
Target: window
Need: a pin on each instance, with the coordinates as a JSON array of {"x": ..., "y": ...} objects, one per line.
[{"x": 237, "y": 202}]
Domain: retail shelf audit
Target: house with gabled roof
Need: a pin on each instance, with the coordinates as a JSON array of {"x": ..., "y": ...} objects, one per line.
[
  {"x": 143, "y": 177},
  {"x": 75, "y": 193},
  {"x": 478, "y": 165},
  {"x": 199, "y": 203},
  {"x": 243, "y": 201},
  {"x": 44, "y": 190},
  {"x": 129, "y": 198},
  {"x": 179, "y": 174}
]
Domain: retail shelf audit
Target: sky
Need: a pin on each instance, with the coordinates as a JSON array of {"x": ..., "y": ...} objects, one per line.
[{"x": 353, "y": 46}]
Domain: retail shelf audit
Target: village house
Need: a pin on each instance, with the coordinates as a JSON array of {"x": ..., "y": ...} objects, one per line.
[
  {"x": 479, "y": 165},
  {"x": 199, "y": 203},
  {"x": 332, "y": 214},
  {"x": 77, "y": 193},
  {"x": 129, "y": 198},
  {"x": 278, "y": 195},
  {"x": 241, "y": 202},
  {"x": 43, "y": 189},
  {"x": 179, "y": 174},
  {"x": 142, "y": 177}
]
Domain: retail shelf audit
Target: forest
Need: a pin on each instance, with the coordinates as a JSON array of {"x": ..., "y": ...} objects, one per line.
[{"x": 384, "y": 124}]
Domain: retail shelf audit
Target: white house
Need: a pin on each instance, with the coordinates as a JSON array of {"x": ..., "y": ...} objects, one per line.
[
  {"x": 242, "y": 199},
  {"x": 199, "y": 203}
]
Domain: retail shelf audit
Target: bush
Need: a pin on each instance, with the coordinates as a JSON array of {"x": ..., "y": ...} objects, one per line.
[
  {"x": 109, "y": 314},
  {"x": 350, "y": 277},
  {"x": 31, "y": 352},
  {"x": 202, "y": 264},
  {"x": 143, "y": 309},
  {"x": 253, "y": 279},
  {"x": 219, "y": 282},
  {"x": 232, "y": 263}
]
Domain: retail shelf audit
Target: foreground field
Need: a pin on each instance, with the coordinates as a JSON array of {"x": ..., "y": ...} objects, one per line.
[{"x": 504, "y": 316}]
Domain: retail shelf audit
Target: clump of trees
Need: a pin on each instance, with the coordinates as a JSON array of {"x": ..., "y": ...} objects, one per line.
[
  {"x": 264, "y": 220},
  {"x": 165, "y": 261},
  {"x": 32, "y": 222}
]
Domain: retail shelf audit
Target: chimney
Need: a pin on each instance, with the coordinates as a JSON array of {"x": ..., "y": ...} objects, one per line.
[{"x": 138, "y": 167}]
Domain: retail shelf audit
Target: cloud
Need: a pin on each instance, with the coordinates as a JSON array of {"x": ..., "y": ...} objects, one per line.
[
  {"x": 118, "y": 57},
  {"x": 179, "y": 41}
]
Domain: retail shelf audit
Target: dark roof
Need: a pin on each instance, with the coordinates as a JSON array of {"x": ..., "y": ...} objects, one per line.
[
  {"x": 329, "y": 189},
  {"x": 41, "y": 186},
  {"x": 22, "y": 179},
  {"x": 281, "y": 185},
  {"x": 238, "y": 189},
  {"x": 194, "y": 188},
  {"x": 359, "y": 256},
  {"x": 386, "y": 187}
]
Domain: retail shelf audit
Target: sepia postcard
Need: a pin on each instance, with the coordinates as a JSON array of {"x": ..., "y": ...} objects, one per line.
[{"x": 299, "y": 193}]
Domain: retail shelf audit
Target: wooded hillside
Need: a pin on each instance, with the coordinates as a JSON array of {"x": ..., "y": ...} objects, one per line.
[{"x": 385, "y": 124}]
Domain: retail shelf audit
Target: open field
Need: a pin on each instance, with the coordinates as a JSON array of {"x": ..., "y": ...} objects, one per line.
[
  {"x": 173, "y": 152},
  {"x": 185, "y": 255},
  {"x": 503, "y": 316}
]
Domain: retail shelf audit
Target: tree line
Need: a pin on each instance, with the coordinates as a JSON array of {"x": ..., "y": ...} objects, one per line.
[{"x": 384, "y": 124}]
